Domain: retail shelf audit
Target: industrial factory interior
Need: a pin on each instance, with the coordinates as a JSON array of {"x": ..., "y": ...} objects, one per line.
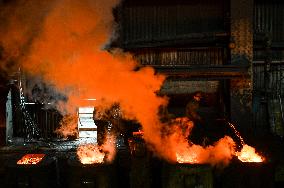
[{"x": 142, "y": 93}]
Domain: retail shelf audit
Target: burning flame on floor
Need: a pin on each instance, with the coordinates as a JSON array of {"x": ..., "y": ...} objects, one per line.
[
  {"x": 248, "y": 154},
  {"x": 31, "y": 159},
  {"x": 187, "y": 157},
  {"x": 196, "y": 155},
  {"x": 184, "y": 151},
  {"x": 93, "y": 153},
  {"x": 220, "y": 152},
  {"x": 90, "y": 154}
]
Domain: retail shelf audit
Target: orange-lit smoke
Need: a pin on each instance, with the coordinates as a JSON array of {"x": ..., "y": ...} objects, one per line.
[
  {"x": 66, "y": 50},
  {"x": 68, "y": 126},
  {"x": 20, "y": 23}
]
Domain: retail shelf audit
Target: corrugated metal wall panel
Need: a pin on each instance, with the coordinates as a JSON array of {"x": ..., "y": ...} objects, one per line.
[
  {"x": 258, "y": 77},
  {"x": 275, "y": 55},
  {"x": 268, "y": 18},
  {"x": 212, "y": 56},
  {"x": 158, "y": 23},
  {"x": 259, "y": 105},
  {"x": 268, "y": 96}
]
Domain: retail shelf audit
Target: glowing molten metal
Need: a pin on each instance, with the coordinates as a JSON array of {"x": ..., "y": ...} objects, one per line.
[
  {"x": 31, "y": 159},
  {"x": 90, "y": 154},
  {"x": 248, "y": 154}
]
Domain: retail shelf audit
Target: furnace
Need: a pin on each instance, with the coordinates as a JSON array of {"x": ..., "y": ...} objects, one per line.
[
  {"x": 32, "y": 170},
  {"x": 90, "y": 175}
]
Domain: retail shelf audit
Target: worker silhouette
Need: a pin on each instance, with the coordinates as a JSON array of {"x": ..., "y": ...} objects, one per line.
[
  {"x": 197, "y": 135},
  {"x": 192, "y": 107}
]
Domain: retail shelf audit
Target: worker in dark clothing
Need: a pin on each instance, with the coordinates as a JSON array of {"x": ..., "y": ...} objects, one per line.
[
  {"x": 192, "y": 107},
  {"x": 197, "y": 135}
]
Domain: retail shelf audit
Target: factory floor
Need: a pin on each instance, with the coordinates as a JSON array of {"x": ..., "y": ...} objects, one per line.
[{"x": 141, "y": 169}]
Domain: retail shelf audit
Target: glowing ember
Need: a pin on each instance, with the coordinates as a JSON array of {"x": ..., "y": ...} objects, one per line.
[
  {"x": 237, "y": 133},
  {"x": 31, "y": 159},
  {"x": 248, "y": 154},
  {"x": 90, "y": 154}
]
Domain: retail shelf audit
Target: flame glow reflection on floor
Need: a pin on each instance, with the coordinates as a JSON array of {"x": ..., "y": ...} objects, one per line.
[{"x": 31, "y": 159}]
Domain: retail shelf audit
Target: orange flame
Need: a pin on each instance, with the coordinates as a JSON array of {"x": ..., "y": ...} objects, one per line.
[
  {"x": 181, "y": 150},
  {"x": 90, "y": 154},
  {"x": 31, "y": 159},
  {"x": 93, "y": 153},
  {"x": 189, "y": 155},
  {"x": 219, "y": 153},
  {"x": 248, "y": 154}
]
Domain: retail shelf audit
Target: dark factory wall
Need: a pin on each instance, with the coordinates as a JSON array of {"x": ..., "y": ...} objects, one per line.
[
  {"x": 143, "y": 22},
  {"x": 268, "y": 20},
  {"x": 268, "y": 67}
]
